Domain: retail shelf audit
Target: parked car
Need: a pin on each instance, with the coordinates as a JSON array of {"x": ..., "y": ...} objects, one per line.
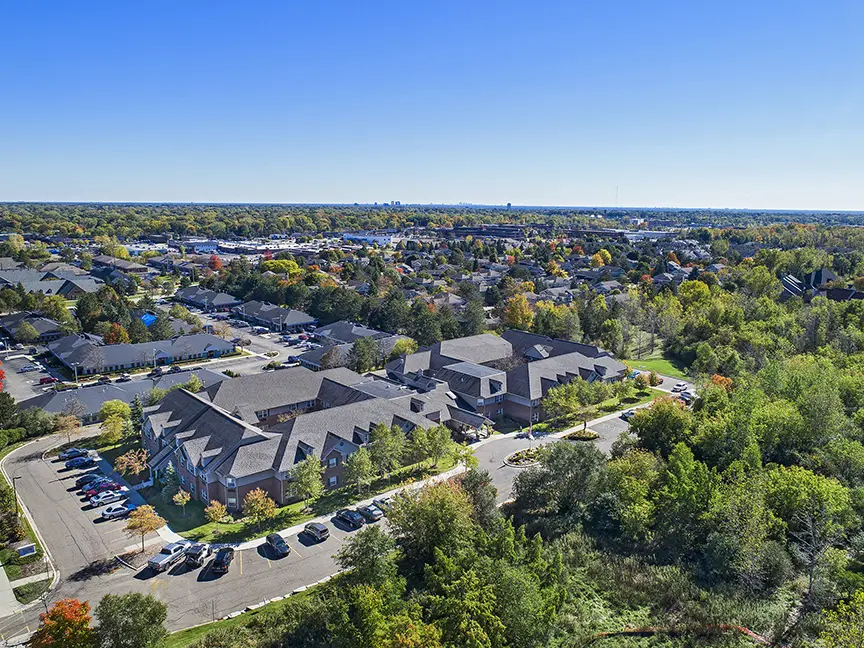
[
  {"x": 222, "y": 561},
  {"x": 71, "y": 453},
  {"x": 629, "y": 414},
  {"x": 89, "y": 478},
  {"x": 92, "y": 483},
  {"x": 383, "y": 503},
  {"x": 124, "y": 377},
  {"x": 103, "y": 380},
  {"x": 155, "y": 372},
  {"x": 28, "y": 368},
  {"x": 118, "y": 511},
  {"x": 170, "y": 554},
  {"x": 47, "y": 380},
  {"x": 679, "y": 387},
  {"x": 688, "y": 397},
  {"x": 317, "y": 531},
  {"x": 175, "y": 369},
  {"x": 81, "y": 462},
  {"x": 277, "y": 543},
  {"x": 109, "y": 496},
  {"x": 371, "y": 512},
  {"x": 102, "y": 486},
  {"x": 197, "y": 554},
  {"x": 32, "y": 350},
  {"x": 351, "y": 517}
]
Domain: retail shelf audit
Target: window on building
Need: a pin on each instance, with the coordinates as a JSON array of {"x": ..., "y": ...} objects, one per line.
[
  {"x": 191, "y": 488},
  {"x": 332, "y": 462},
  {"x": 231, "y": 482},
  {"x": 232, "y": 502},
  {"x": 500, "y": 410},
  {"x": 182, "y": 480},
  {"x": 333, "y": 481}
]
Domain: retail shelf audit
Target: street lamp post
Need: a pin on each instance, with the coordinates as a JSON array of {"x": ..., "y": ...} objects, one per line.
[
  {"x": 75, "y": 368},
  {"x": 15, "y": 495}
]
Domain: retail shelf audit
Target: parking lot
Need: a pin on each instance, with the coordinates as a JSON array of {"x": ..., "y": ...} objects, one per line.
[
  {"x": 24, "y": 385},
  {"x": 83, "y": 547}
]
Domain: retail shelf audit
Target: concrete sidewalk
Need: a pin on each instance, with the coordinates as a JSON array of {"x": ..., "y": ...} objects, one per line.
[{"x": 8, "y": 603}]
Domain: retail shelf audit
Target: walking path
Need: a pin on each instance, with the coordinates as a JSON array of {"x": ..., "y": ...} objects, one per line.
[{"x": 8, "y": 602}]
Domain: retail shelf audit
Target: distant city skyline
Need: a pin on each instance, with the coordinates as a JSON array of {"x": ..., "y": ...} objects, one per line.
[{"x": 738, "y": 105}]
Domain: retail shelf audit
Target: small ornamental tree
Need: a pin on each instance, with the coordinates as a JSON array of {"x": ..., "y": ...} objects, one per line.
[
  {"x": 143, "y": 520},
  {"x": 215, "y": 511},
  {"x": 181, "y": 498},
  {"x": 68, "y": 425},
  {"x": 133, "y": 462},
  {"x": 641, "y": 382},
  {"x": 258, "y": 506},
  {"x": 66, "y": 625},
  {"x": 654, "y": 379}
]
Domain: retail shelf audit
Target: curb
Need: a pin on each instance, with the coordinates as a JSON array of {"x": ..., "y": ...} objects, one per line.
[{"x": 55, "y": 572}]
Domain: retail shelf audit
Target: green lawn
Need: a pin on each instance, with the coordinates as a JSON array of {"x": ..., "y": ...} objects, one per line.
[
  {"x": 614, "y": 405},
  {"x": 31, "y": 591},
  {"x": 661, "y": 366},
  {"x": 194, "y": 525}
]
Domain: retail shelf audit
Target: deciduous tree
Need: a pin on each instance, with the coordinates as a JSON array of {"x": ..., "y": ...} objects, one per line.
[
  {"x": 307, "y": 478},
  {"x": 131, "y": 621},
  {"x": 181, "y": 498},
  {"x": 359, "y": 469},
  {"x": 258, "y": 506},
  {"x": 215, "y": 511},
  {"x": 66, "y": 625},
  {"x": 143, "y": 520}
]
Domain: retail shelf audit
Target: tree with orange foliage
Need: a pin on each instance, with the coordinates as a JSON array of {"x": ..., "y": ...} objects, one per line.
[
  {"x": 2, "y": 377},
  {"x": 67, "y": 625},
  {"x": 722, "y": 381},
  {"x": 116, "y": 335},
  {"x": 215, "y": 263},
  {"x": 672, "y": 257}
]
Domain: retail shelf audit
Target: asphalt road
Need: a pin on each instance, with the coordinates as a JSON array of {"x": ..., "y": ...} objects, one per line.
[{"x": 82, "y": 547}]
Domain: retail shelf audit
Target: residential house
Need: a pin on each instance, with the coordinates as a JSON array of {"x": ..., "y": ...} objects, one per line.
[
  {"x": 206, "y": 300},
  {"x": 47, "y": 329}
]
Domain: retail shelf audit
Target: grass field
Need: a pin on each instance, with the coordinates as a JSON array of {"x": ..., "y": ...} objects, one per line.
[
  {"x": 661, "y": 366},
  {"x": 194, "y": 525}
]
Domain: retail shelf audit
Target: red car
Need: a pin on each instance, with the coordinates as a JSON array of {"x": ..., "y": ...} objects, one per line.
[
  {"x": 47, "y": 380},
  {"x": 109, "y": 485}
]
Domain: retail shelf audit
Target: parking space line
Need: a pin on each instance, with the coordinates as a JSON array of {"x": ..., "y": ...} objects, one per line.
[{"x": 269, "y": 564}]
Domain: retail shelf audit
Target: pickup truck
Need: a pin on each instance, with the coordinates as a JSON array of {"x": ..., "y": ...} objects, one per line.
[{"x": 169, "y": 555}]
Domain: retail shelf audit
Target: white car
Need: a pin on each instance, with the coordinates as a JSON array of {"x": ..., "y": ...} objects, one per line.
[
  {"x": 679, "y": 387},
  {"x": 28, "y": 368},
  {"x": 106, "y": 497},
  {"x": 118, "y": 511}
]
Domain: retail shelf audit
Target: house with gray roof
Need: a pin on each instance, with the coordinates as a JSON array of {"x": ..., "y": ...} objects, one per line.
[
  {"x": 273, "y": 317},
  {"x": 47, "y": 329},
  {"x": 86, "y": 356},
  {"x": 207, "y": 300}
]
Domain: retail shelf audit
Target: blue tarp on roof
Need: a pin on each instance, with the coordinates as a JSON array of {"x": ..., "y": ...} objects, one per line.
[{"x": 148, "y": 319}]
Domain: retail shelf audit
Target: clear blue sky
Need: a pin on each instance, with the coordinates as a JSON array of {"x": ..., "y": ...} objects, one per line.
[{"x": 756, "y": 103}]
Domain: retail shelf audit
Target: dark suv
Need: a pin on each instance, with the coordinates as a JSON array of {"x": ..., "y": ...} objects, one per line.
[
  {"x": 351, "y": 518},
  {"x": 278, "y": 545},
  {"x": 222, "y": 561}
]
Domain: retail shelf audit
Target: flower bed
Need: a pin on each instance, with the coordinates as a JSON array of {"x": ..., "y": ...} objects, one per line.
[
  {"x": 582, "y": 435},
  {"x": 523, "y": 458}
]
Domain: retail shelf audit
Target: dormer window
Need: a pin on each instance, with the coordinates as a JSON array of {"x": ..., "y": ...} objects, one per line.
[{"x": 230, "y": 482}]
